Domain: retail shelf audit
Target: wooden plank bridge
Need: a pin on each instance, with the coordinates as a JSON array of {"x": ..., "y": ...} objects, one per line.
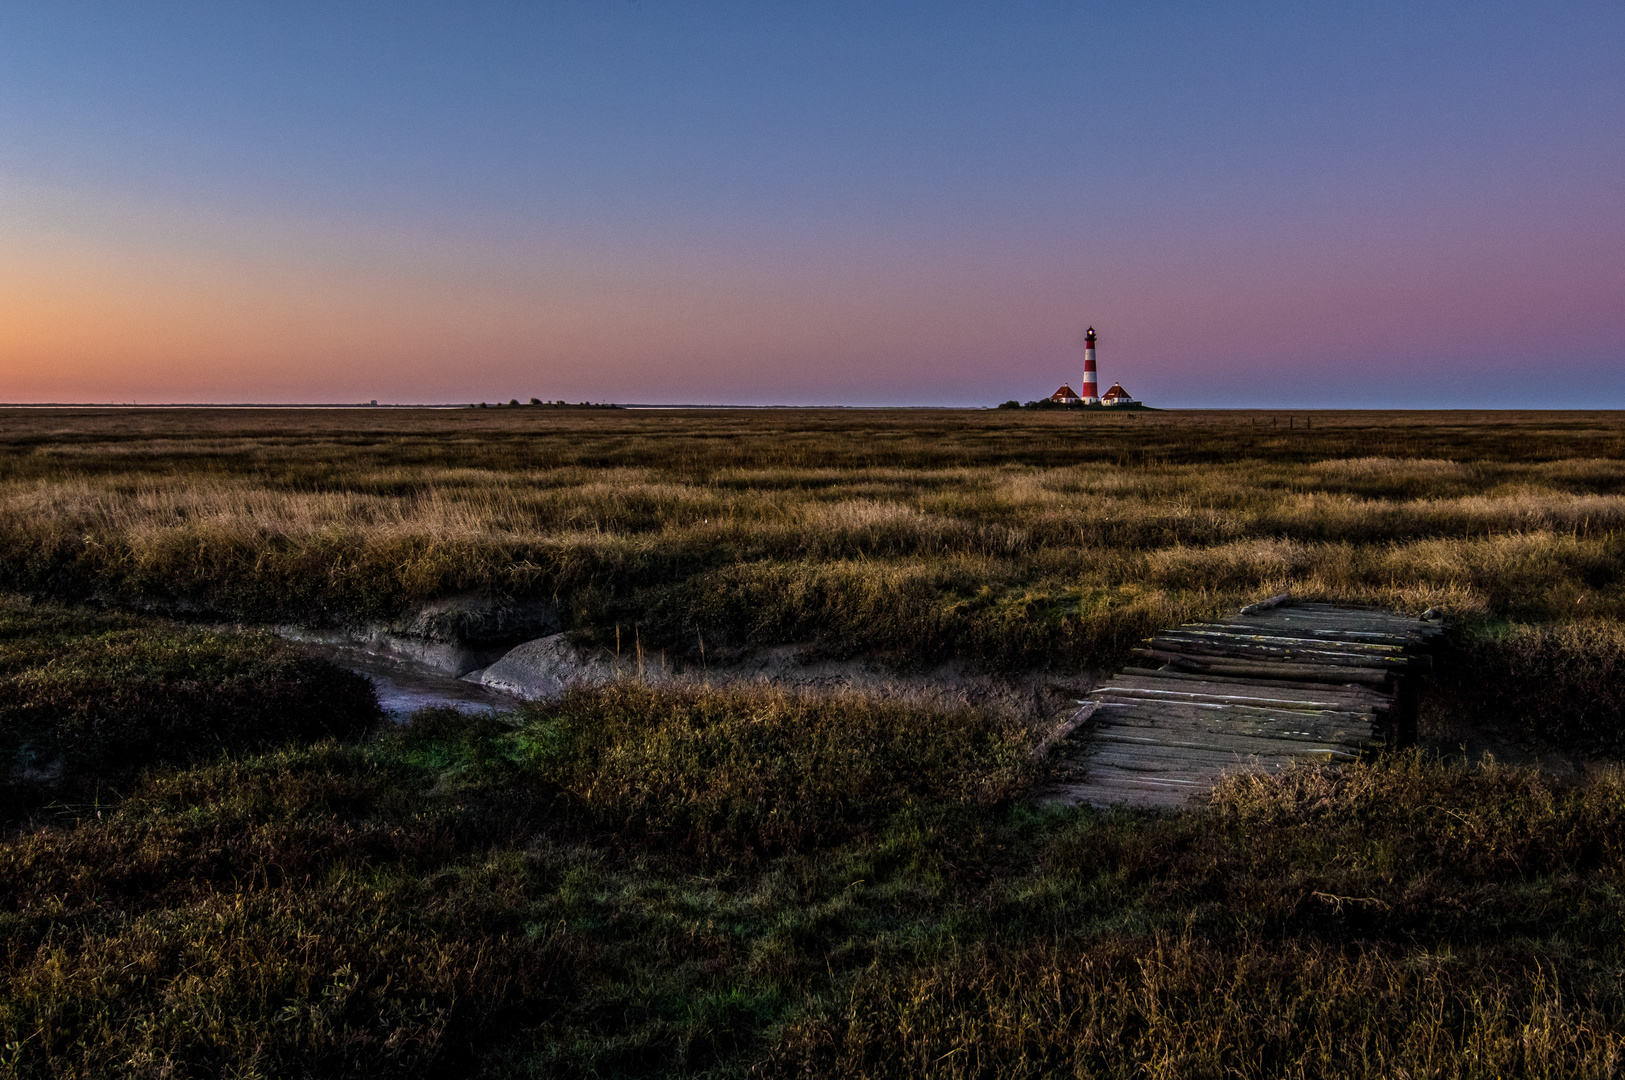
[{"x": 1279, "y": 682}]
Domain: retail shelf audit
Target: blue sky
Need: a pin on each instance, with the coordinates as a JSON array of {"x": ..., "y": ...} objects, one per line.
[{"x": 898, "y": 203}]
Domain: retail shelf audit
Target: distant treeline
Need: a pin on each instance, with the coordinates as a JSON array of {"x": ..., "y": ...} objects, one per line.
[{"x": 513, "y": 403}]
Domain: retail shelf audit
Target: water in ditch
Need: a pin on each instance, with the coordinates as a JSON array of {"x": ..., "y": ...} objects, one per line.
[{"x": 404, "y": 687}]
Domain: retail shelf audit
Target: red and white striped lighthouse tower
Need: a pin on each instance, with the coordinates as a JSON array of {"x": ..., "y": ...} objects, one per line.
[{"x": 1091, "y": 382}]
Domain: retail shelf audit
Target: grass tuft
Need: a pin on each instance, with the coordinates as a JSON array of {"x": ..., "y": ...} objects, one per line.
[
  {"x": 725, "y": 772},
  {"x": 89, "y": 698}
]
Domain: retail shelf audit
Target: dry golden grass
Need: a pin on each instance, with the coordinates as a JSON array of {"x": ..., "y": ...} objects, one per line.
[
  {"x": 1008, "y": 538},
  {"x": 634, "y": 882},
  {"x": 494, "y": 898}
]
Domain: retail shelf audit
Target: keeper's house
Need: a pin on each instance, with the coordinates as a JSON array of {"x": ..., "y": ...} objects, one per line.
[
  {"x": 1117, "y": 396},
  {"x": 1067, "y": 396}
]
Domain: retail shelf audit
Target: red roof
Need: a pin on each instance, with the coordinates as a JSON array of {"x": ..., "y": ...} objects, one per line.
[
  {"x": 1116, "y": 391},
  {"x": 1064, "y": 392}
]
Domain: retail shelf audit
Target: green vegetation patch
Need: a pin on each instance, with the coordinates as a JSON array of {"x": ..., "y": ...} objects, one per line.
[
  {"x": 727, "y": 773},
  {"x": 91, "y": 696}
]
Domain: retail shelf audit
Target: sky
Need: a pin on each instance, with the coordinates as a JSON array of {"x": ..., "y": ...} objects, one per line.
[{"x": 1278, "y": 205}]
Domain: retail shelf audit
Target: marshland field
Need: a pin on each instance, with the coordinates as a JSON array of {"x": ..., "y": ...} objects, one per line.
[{"x": 221, "y": 858}]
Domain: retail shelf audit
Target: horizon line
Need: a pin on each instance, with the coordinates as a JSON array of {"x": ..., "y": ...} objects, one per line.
[{"x": 647, "y": 407}]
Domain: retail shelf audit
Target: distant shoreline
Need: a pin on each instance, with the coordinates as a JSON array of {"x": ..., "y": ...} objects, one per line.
[{"x": 645, "y": 407}]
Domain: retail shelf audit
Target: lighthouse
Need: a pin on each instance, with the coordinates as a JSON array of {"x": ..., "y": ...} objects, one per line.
[{"x": 1091, "y": 382}]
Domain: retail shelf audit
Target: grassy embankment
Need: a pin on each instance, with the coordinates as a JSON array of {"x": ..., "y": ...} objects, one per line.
[
  {"x": 89, "y": 698},
  {"x": 630, "y": 882}
]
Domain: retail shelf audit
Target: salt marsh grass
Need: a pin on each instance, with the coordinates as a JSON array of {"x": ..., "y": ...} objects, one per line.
[
  {"x": 491, "y": 898},
  {"x": 698, "y": 882},
  {"x": 1006, "y": 539}
]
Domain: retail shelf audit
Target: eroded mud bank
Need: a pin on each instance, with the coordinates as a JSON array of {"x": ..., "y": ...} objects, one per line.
[{"x": 463, "y": 654}]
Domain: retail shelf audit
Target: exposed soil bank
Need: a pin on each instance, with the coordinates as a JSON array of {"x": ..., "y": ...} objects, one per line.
[
  {"x": 452, "y": 636},
  {"x": 544, "y": 668},
  {"x": 440, "y": 667}
]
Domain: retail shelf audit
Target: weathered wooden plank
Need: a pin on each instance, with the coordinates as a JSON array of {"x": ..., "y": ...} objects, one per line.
[
  {"x": 1334, "y": 622},
  {"x": 1216, "y": 686},
  {"x": 1341, "y": 611},
  {"x": 1183, "y": 762},
  {"x": 1304, "y": 710},
  {"x": 1172, "y": 760},
  {"x": 1350, "y": 610},
  {"x": 1284, "y": 641},
  {"x": 1107, "y": 779},
  {"x": 1338, "y": 622},
  {"x": 1124, "y": 798},
  {"x": 1248, "y": 746},
  {"x": 1140, "y": 756},
  {"x": 1149, "y": 704},
  {"x": 1120, "y": 779},
  {"x": 1291, "y": 740},
  {"x": 1329, "y": 654},
  {"x": 1241, "y": 650},
  {"x": 1136, "y": 710},
  {"x": 1397, "y": 642},
  {"x": 1144, "y": 715},
  {"x": 1353, "y": 726},
  {"x": 1357, "y": 620},
  {"x": 1346, "y": 617},
  {"x": 1287, "y": 641},
  {"x": 1209, "y": 655},
  {"x": 1146, "y": 795},
  {"x": 1170, "y": 675},
  {"x": 1322, "y": 623},
  {"x": 1219, "y": 686},
  {"x": 1307, "y": 633},
  {"x": 1355, "y": 737},
  {"x": 1352, "y": 737},
  {"x": 1271, "y": 669},
  {"x": 1244, "y": 650},
  {"x": 1142, "y": 712},
  {"x": 1111, "y": 775},
  {"x": 1268, "y": 670}
]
